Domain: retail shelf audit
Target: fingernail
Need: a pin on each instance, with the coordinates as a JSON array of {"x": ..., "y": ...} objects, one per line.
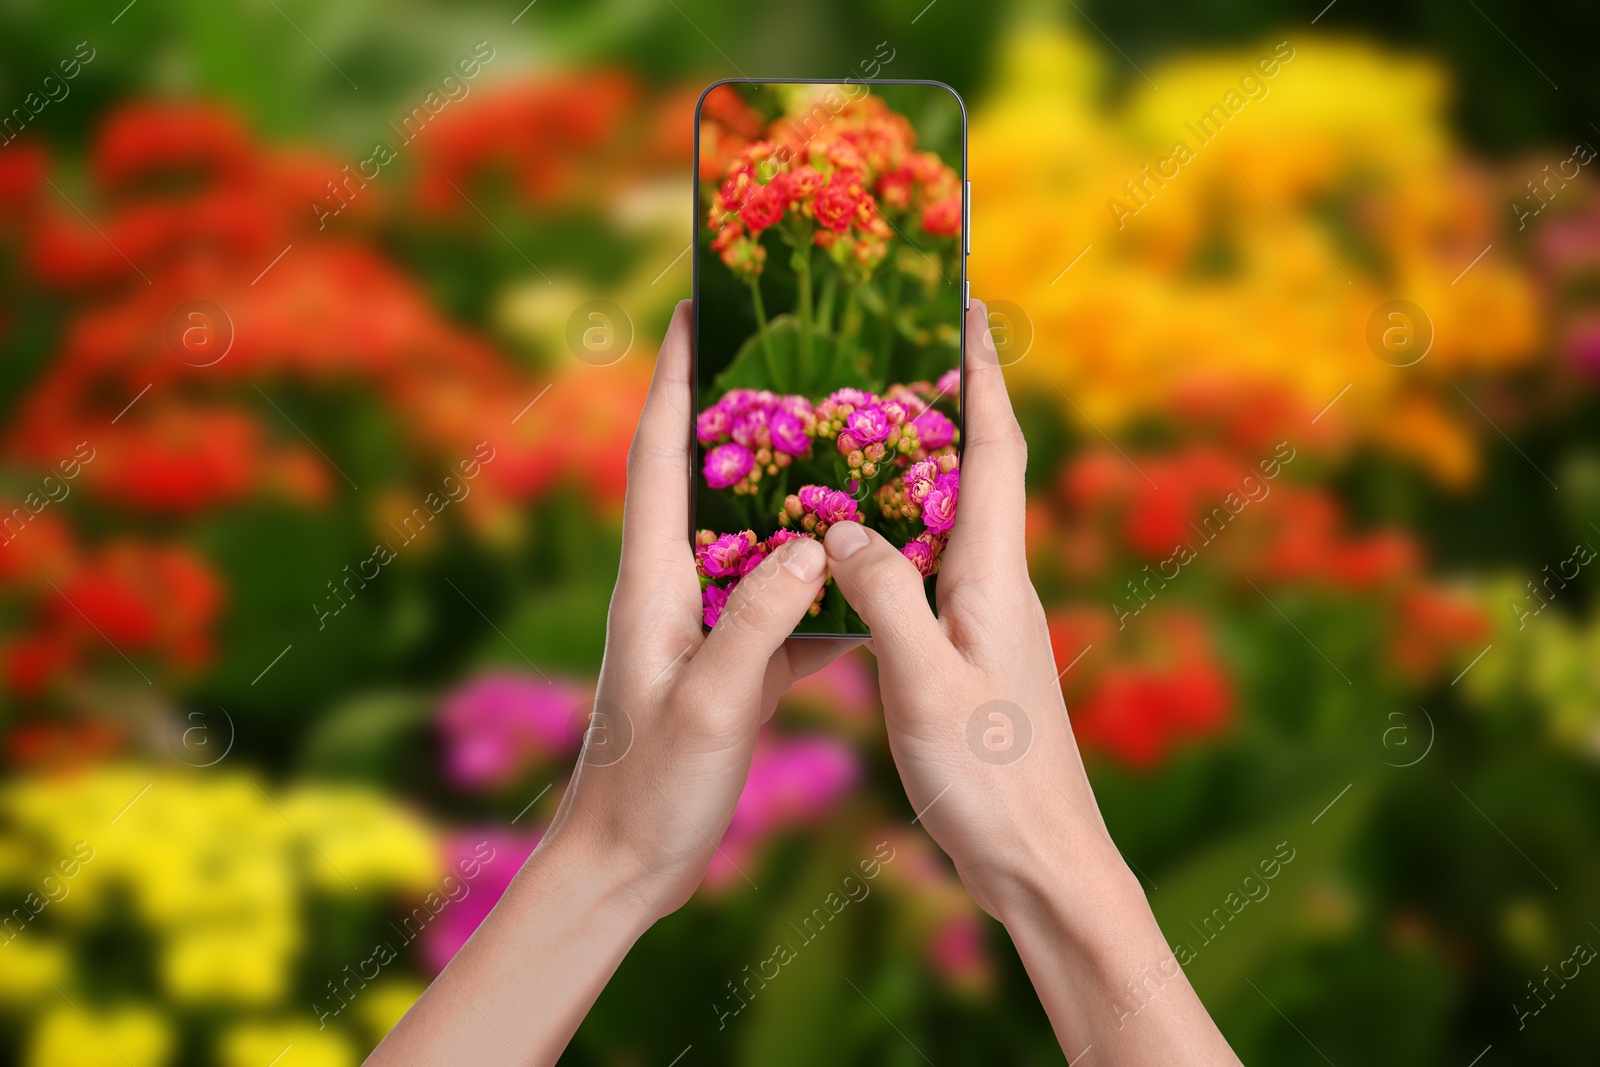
[
  {"x": 805, "y": 560},
  {"x": 845, "y": 539}
]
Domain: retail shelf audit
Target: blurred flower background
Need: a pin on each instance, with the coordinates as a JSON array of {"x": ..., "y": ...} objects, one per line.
[{"x": 309, "y": 501}]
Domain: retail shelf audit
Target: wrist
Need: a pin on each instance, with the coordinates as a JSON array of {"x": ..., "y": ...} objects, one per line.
[{"x": 571, "y": 872}]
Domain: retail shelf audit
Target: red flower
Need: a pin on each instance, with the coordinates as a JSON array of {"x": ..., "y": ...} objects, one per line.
[
  {"x": 836, "y": 204},
  {"x": 1146, "y": 691},
  {"x": 942, "y": 218},
  {"x": 763, "y": 208},
  {"x": 894, "y": 188}
]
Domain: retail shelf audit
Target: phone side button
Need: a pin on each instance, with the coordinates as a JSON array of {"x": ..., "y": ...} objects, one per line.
[
  {"x": 966, "y": 295},
  {"x": 966, "y": 219}
]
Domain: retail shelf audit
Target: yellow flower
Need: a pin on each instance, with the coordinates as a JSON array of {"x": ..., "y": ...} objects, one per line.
[
  {"x": 129, "y": 1034},
  {"x": 1244, "y": 258},
  {"x": 28, "y": 964},
  {"x": 285, "y": 1044},
  {"x": 245, "y": 964},
  {"x": 361, "y": 839},
  {"x": 385, "y": 1003}
]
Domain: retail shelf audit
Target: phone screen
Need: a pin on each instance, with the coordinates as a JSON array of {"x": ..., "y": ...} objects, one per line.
[{"x": 830, "y": 287}]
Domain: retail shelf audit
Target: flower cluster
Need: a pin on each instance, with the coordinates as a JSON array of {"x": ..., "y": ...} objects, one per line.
[
  {"x": 868, "y": 429},
  {"x": 727, "y": 558},
  {"x": 829, "y": 184},
  {"x": 755, "y": 433},
  {"x": 895, "y": 449}
]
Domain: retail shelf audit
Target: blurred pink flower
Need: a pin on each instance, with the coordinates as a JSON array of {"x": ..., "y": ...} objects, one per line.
[
  {"x": 957, "y": 952},
  {"x": 467, "y": 905},
  {"x": 848, "y": 687},
  {"x": 496, "y": 725},
  {"x": 793, "y": 782}
]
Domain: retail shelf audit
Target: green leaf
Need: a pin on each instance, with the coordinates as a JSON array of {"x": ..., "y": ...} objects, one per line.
[{"x": 828, "y": 370}]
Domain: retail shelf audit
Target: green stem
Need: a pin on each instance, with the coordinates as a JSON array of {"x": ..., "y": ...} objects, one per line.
[
  {"x": 761, "y": 329},
  {"x": 891, "y": 319},
  {"x": 803, "y": 260},
  {"x": 825, "y": 301},
  {"x": 849, "y": 327}
]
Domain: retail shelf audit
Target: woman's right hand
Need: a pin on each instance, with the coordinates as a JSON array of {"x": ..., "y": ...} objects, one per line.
[
  {"x": 973, "y": 707},
  {"x": 979, "y": 732}
]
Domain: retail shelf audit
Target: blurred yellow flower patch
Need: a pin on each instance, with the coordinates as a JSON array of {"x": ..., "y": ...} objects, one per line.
[{"x": 1253, "y": 267}]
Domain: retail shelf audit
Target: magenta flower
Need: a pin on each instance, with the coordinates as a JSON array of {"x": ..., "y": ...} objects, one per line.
[
  {"x": 712, "y": 600},
  {"x": 867, "y": 425},
  {"x": 481, "y": 866},
  {"x": 795, "y": 405},
  {"x": 949, "y": 384},
  {"x": 939, "y": 509},
  {"x": 712, "y": 424},
  {"x": 922, "y": 553},
  {"x": 722, "y": 557},
  {"x": 957, "y": 952},
  {"x": 788, "y": 432},
  {"x": 847, "y": 689},
  {"x": 837, "y": 506},
  {"x": 792, "y": 782},
  {"x": 752, "y": 559},
  {"x": 853, "y": 397},
  {"x": 727, "y": 464},
  {"x": 750, "y": 428},
  {"x": 934, "y": 429},
  {"x": 918, "y": 480},
  {"x": 498, "y": 724},
  {"x": 783, "y": 537}
]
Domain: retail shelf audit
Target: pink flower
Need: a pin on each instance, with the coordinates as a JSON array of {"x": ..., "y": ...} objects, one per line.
[
  {"x": 919, "y": 479},
  {"x": 922, "y": 554},
  {"x": 727, "y": 464},
  {"x": 847, "y": 688},
  {"x": 783, "y": 537},
  {"x": 837, "y": 506},
  {"x": 722, "y": 557},
  {"x": 934, "y": 429},
  {"x": 792, "y": 782},
  {"x": 752, "y": 559},
  {"x": 868, "y": 425},
  {"x": 712, "y": 424},
  {"x": 816, "y": 507},
  {"x": 712, "y": 600},
  {"x": 750, "y": 428},
  {"x": 949, "y": 384},
  {"x": 939, "y": 509},
  {"x": 483, "y": 863},
  {"x": 498, "y": 724},
  {"x": 957, "y": 951},
  {"x": 788, "y": 432},
  {"x": 812, "y": 496},
  {"x": 854, "y": 397}
]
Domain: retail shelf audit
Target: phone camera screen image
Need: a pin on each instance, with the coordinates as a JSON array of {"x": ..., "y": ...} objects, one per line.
[{"x": 830, "y": 277}]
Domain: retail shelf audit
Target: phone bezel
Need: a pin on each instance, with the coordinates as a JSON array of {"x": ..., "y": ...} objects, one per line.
[{"x": 694, "y": 258}]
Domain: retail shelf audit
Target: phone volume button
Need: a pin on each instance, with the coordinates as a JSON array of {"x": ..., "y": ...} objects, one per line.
[{"x": 966, "y": 219}]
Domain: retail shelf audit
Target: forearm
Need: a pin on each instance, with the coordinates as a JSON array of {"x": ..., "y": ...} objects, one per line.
[
  {"x": 517, "y": 991},
  {"x": 1100, "y": 965}
]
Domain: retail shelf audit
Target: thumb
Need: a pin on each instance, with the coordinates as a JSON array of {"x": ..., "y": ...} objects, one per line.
[
  {"x": 760, "y": 614},
  {"x": 887, "y": 590}
]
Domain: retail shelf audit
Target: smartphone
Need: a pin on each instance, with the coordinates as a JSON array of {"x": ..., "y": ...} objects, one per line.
[{"x": 830, "y": 290}]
